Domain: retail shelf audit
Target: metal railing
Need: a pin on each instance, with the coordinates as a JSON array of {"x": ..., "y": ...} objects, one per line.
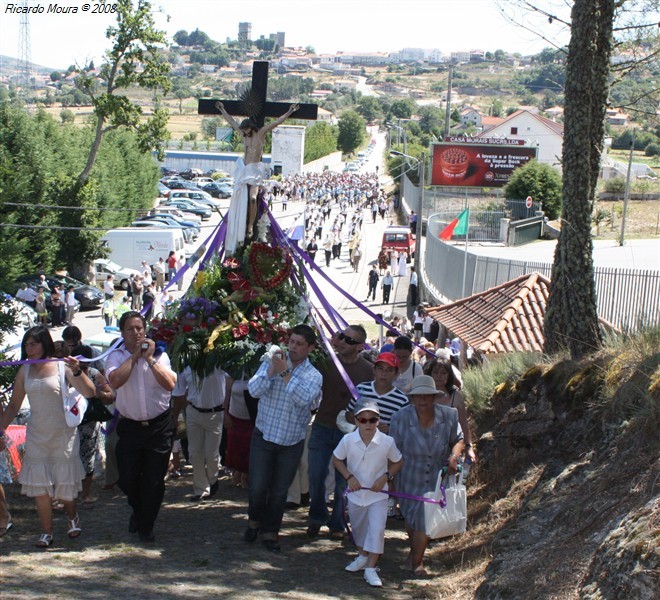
[{"x": 627, "y": 298}]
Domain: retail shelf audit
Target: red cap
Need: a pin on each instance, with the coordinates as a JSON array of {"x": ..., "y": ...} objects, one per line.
[{"x": 389, "y": 358}]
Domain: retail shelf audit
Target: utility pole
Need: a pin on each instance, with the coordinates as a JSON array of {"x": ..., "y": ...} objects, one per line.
[
  {"x": 626, "y": 194},
  {"x": 448, "y": 106}
]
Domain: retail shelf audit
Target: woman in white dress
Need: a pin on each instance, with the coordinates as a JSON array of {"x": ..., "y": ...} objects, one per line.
[
  {"x": 403, "y": 264},
  {"x": 394, "y": 262},
  {"x": 51, "y": 466}
]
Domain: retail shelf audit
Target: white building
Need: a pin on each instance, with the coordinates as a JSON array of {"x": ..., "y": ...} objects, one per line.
[{"x": 535, "y": 130}]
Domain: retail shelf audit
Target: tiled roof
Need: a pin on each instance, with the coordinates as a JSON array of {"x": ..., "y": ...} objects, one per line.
[{"x": 505, "y": 318}]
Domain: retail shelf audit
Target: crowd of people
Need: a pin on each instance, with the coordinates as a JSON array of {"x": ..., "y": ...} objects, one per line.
[
  {"x": 406, "y": 408},
  {"x": 294, "y": 434}
]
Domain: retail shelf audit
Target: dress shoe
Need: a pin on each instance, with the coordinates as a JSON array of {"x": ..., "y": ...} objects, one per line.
[
  {"x": 291, "y": 506},
  {"x": 313, "y": 531},
  {"x": 213, "y": 490},
  {"x": 250, "y": 535},
  {"x": 272, "y": 545},
  {"x": 147, "y": 536},
  {"x": 197, "y": 498}
]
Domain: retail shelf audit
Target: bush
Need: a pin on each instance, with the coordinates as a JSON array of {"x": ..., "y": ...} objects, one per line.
[
  {"x": 540, "y": 181},
  {"x": 615, "y": 186},
  {"x": 652, "y": 149}
]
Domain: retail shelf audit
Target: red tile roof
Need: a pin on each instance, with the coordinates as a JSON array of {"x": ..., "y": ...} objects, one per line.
[{"x": 505, "y": 318}]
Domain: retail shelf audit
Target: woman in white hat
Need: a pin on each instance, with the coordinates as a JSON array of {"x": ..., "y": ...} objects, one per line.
[{"x": 429, "y": 437}]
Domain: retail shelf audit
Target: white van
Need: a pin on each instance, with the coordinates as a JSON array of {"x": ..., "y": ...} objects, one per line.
[{"x": 129, "y": 246}]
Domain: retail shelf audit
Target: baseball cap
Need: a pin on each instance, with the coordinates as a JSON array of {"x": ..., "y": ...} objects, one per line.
[
  {"x": 367, "y": 405},
  {"x": 388, "y": 358}
]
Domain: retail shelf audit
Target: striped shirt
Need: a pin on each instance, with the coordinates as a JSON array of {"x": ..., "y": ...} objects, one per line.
[{"x": 388, "y": 403}]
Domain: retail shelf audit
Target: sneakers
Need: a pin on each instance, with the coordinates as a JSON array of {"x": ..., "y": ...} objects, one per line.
[
  {"x": 359, "y": 563},
  {"x": 371, "y": 577}
]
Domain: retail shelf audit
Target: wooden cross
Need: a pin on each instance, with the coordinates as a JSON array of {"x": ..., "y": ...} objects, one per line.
[{"x": 206, "y": 106}]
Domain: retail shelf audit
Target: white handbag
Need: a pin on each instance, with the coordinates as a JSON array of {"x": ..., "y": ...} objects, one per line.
[
  {"x": 75, "y": 404},
  {"x": 452, "y": 519}
]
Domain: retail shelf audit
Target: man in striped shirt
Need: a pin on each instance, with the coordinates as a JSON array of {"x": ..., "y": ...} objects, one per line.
[{"x": 381, "y": 390}]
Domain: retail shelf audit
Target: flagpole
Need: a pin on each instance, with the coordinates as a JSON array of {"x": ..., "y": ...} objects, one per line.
[{"x": 465, "y": 253}]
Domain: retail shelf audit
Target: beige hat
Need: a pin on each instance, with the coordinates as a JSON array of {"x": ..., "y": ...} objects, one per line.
[{"x": 423, "y": 384}]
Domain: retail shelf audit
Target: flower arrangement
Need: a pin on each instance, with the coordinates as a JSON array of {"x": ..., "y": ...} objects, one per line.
[{"x": 233, "y": 313}]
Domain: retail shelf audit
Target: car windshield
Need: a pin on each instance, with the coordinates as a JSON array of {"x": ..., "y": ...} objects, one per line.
[{"x": 69, "y": 280}]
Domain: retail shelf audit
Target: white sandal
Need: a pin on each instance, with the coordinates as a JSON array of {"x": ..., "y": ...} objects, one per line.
[
  {"x": 74, "y": 527},
  {"x": 45, "y": 540}
]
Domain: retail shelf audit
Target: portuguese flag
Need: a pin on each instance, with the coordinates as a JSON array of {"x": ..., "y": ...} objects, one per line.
[{"x": 459, "y": 226}]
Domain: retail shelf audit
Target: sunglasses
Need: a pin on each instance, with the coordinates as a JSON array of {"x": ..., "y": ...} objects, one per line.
[
  {"x": 364, "y": 420},
  {"x": 349, "y": 340}
]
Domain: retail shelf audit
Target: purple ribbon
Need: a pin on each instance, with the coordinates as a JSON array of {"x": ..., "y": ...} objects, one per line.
[{"x": 344, "y": 502}]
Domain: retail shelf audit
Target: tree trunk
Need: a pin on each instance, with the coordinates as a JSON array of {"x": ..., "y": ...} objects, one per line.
[
  {"x": 93, "y": 151},
  {"x": 571, "y": 320}
]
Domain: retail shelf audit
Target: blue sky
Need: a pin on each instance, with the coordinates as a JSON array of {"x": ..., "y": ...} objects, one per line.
[{"x": 58, "y": 40}]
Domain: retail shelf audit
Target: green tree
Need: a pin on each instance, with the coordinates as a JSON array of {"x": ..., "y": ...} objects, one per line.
[
  {"x": 133, "y": 60},
  {"x": 571, "y": 319},
  {"x": 320, "y": 140},
  {"x": 403, "y": 109},
  {"x": 67, "y": 116},
  {"x": 540, "y": 181},
  {"x": 369, "y": 108},
  {"x": 351, "y": 131},
  {"x": 498, "y": 108}
]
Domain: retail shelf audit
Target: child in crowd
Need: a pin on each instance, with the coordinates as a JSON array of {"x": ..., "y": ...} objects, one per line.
[
  {"x": 40, "y": 307},
  {"x": 372, "y": 461}
]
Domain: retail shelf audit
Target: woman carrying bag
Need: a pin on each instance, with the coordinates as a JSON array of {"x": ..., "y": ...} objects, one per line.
[
  {"x": 51, "y": 466},
  {"x": 429, "y": 437}
]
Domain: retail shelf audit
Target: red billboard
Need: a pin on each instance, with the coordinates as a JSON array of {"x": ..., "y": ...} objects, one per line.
[{"x": 477, "y": 165}]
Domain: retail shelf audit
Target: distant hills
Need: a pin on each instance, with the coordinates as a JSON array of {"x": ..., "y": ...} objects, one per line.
[{"x": 9, "y": 64}]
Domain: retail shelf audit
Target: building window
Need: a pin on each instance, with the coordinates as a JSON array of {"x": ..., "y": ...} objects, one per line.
[{"x": 514, "y": 131}]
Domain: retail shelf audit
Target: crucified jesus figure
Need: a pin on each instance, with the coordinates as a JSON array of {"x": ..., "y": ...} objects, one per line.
[{"x": 254, "y": 139}]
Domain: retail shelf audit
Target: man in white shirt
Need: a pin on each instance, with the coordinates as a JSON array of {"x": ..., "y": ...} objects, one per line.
[
  {"x": 203, "y": 401},
  {"x": 413, "y": 286},
  {"x": 70, "y": 305},
  {"x": 159, "y": 269},
  {"x": 146, "y": 429}
]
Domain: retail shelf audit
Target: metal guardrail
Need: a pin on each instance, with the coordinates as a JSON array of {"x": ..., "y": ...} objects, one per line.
[{"x": 627, "y": 298}]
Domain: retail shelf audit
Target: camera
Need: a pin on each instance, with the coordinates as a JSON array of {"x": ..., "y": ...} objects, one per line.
[{"x": 145, "y": 346}]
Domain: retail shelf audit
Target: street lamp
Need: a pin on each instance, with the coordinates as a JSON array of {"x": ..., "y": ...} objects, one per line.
[{"x": 421, "y": 164}]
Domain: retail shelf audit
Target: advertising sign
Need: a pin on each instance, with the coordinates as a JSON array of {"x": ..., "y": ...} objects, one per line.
[{"x": 476, "y": 164}]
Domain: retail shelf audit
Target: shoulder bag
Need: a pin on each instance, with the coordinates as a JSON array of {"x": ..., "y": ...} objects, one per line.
[{"x": 75, "y": 404}]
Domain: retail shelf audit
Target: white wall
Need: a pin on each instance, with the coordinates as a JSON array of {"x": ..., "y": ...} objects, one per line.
[{"x": 288, "y": 149}]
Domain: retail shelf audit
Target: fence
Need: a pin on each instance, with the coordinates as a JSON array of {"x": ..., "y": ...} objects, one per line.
[
  {"x": 484, "y": 225},
  {"x": 627, "y": 298}
]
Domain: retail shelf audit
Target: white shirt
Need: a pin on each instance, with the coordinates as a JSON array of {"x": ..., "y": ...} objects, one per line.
[
  {"x": 70, "y": 298},
  {"x": 109, "y": 287},
  {"x": 413, "y": 278},
  {"x": 141, "y": 398},
  {"x": 205, "y": 393},
  {"x": 367, "y": 463}
]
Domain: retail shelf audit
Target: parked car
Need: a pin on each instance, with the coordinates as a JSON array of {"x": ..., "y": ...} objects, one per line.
[
  {"x": 104, "y": 267},
  {"x": 88, "y": 296},
  {"x": 165, "y": 171},
  {"x": 400, "y": 239},
  {"x": 191, "y": 173},
  {"x": 190, "y": 206},
  {"x": 200, "y": 197},
  {"x": 182, "y": 221},
  {"x": 180, "y": 214},
  {"x": 163, "y": 190},
  {"x": 189, "y": 233},
  {"x": 202, "y": 181},
  {"x": 218, "y": 190}
]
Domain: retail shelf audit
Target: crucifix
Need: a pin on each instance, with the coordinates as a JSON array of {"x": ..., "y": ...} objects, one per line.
[{"x": 250, "y": 174}]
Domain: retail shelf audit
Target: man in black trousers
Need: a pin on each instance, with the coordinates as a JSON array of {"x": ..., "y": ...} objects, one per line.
[{"x": 144, "y": 383}]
